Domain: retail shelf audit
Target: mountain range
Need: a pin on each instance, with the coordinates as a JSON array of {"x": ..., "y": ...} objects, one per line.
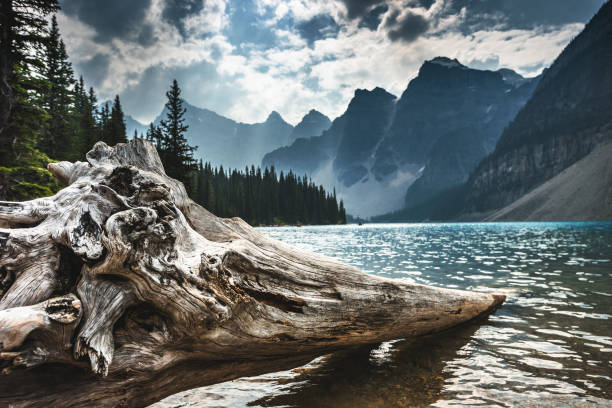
[
  {"x": 552, "y": 162},
  {"x": 223, "y": 141},
  {"x": 568, "y": 117},
  {"x": 459, "y": 143},
  {"x": 384, "y": 153}
]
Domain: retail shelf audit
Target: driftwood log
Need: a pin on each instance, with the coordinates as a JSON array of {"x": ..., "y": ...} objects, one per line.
[{"x": 120, "y": 290}]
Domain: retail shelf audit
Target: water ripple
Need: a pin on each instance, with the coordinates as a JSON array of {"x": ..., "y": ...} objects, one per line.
[{"x": 550, "y": 343}]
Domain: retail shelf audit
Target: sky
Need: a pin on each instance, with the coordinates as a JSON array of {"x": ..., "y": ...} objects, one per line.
[{"x": 244, "y": 59}]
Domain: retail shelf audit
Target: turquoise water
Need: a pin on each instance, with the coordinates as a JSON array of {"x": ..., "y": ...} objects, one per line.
[{"x": 551, "y": 342}]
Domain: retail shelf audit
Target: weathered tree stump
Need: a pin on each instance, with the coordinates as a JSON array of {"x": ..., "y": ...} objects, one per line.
[{"x": 120, "y": 290}]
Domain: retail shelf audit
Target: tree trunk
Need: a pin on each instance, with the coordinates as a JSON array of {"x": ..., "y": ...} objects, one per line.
[
  {"x": 7, "y": 60},
  {"x": 120, "y": 290}
]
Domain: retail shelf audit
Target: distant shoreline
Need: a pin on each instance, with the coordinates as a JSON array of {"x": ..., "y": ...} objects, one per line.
[{"x": 365, "y": 224}]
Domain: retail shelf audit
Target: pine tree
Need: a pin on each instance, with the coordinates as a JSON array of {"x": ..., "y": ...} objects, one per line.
[
  {"x": 58, "y": 140},
  {"x": 155, "y": 135},
  {"x": 342, "y": 213},
  {"x": 23, "y": 174},
  {"x": 262, "y": 198},
  {"x": 177, "y": 154},
  {"x": 211, "y": 199},
  {"x": 26, "y": 122},
  {"x": 91, "y": 130},
  {"x": 104, "y": 123},
  {"x": 23, "y": 34},
  {"x": 116, "y": 132},
  {"x": 85, "y": 117}
]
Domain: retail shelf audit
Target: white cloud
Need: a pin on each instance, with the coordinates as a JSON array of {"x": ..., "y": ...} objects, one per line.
[
  {"x": 281, "y": 77},
  {"x": 299, "y": 10},
  {"x": 129, "y": 59},
  {"x": 212, "y": 19},
  {"x": 366, "y": 59}
]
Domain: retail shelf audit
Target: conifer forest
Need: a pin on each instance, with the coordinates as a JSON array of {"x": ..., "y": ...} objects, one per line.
[{"x": 46, "y": 115}]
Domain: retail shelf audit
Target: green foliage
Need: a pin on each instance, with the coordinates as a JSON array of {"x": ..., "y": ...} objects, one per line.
[
  {"x": 265, "y": 198},
  {"x": 58, "y": 138},
  {"x": 175, "y": 152},
  {"x": 114, "y": 125},
  {"x": 24, "y": 176},
  {"x": 23, "y": 35},
  {"x": 23, "y": 118},
  {"x": 53, "y": 112},
  {"x": 28, "y": 191},
  {"x": 26, "y": 121},
  {"x": 85, "y": 113},
  {"x": 39, "y": 115},
  {"x": 26, "y": 183}
]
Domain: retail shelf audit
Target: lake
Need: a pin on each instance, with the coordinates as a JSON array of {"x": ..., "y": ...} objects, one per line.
[{"x": 549, "y": 344}]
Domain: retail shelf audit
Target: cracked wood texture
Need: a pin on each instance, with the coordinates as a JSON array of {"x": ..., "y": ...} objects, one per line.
[{"x": 120, "y": 290}]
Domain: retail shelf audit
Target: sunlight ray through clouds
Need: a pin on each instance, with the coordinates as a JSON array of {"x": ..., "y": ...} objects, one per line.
[{"x": 252, "y": 57}]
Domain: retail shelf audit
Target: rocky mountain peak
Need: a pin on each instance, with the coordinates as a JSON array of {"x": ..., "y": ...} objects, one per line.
[
  {"x": 365, "y": 98},
  {"x": 312, "y": 124},
  {"x": 314, "y": 114},
  {"x": 274, "y": 116},
  {"x": 512, "y": 77},
  {"x": 446, "y": 62}
]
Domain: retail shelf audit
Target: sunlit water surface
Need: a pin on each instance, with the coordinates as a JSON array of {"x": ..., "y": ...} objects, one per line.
[{"x": 549, "y": 345}]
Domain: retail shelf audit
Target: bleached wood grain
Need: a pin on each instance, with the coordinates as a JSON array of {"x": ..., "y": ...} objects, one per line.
[{"x": 120, "y": 290}]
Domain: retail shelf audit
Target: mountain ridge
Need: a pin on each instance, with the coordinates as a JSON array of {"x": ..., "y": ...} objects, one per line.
[
  {"x": 564, "y": 121},
  {"x": 549, "y": 163},
  {"x": 389, "y": 144},
  {"x": 556, "y": 199},
  {"x": 218, "y": 136}
]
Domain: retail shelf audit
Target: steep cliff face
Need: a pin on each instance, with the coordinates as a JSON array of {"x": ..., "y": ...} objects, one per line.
[
  {"x": 583, "y": 191},
  {"x": 503, "y": 178},
  {"x": 306, "y": 154},
  {"x": 451, "y": 116},
  {"x": 312, "y": 124},
  {"x": 443, "y": 92},
  {"x": 568, "y": 116},
  {"x": 342, "y": 156},
  {"x": 368, "y": 118},
  {"x": 349, "y": 142}
]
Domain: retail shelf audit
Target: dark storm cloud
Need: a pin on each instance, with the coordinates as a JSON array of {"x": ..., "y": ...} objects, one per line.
[
  {"x": 406, "y": 28},
  {"x": 426, "y": 3},
  {"x": 147, "y": 95},
  {"x": 125, "y": 18},
  {"x": 370, "y": 12},
  {"x": 527, "y": 13},
  {"x": 112, "y": 18},
  {"x": 373, "y": 18},
  {"x": 95, "y": 69},
  {"x": 360, "y": 8},
  {"x": 175, "y": 12},
  {"x": 480, "y": 14},
  {"x": 249, "y": 30},
  {"x": 317, "y": 28}
]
